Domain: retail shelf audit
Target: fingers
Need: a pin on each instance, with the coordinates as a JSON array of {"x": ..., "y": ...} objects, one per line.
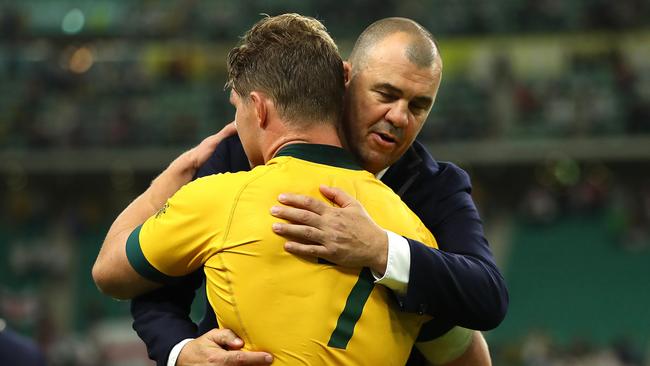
[
  {"x": 245, "y": 358},
  {"x": 225, "y": 338},
  {"x": 336, "y": 195},
  {"x": 304, "y": 202},
  {"x": 300, "y": 233},
  {"x": 229, "y": 129},
  {"x": 215, "y": 139},
  {"x": 307, "y": 250},
  {"x": 295, "y": 215}
]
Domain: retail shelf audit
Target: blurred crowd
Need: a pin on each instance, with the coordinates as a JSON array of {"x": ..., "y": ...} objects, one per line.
[
  {"x": 537, "y": 348},
  {"x": 144, "y": 74},
  {"x": 565, "y": 188}
]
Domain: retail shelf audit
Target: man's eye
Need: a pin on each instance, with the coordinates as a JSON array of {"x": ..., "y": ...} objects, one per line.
[
  {"x": 385, "y": 96},
  {"x": 418, "y": 108}
]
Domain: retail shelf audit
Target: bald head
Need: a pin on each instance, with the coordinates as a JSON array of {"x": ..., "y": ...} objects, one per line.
[{"x": 420, "y": 48}]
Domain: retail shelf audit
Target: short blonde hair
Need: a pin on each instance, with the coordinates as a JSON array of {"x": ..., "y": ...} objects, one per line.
[{"x": 294, "y": 60}]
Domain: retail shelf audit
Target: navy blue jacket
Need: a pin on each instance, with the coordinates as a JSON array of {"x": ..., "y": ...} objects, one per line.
[{"x": 457, "y": 285}]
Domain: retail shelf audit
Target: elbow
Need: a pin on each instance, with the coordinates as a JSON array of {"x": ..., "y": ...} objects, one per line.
[
  {"x": 498, "y": 314},
  {"x": 502, "y": 308},
  {"x": 102, "y": 279},
  {"x": 108, "y": 284},
  {"x": 498, "y": 309}
]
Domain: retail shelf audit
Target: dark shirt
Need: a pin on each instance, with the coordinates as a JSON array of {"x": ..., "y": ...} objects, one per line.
[{"x": 457, "y": 285}]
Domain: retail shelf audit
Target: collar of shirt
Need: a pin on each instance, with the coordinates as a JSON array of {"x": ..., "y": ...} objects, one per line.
[
  {"x": 321, "y": 154},
  {"x": 381, "y": 173}
]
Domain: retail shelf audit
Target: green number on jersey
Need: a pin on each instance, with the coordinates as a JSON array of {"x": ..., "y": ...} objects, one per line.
[{"x": 352, "y": 311}]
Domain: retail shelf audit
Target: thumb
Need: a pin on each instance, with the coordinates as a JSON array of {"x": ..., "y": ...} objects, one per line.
[
  {"x": 228, "y": 130},
  {"x": 338, "y": 196},
  {"x": 225, "y": 338}
]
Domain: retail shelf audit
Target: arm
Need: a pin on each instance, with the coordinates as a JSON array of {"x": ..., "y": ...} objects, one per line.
[
  {"x": 477, "y": 354},
  {"x": 457, "y": 347},
  {"x": 460, "y": 282},
  {"x": 162, "y": 317},
  {"x": 112, "y": 271},
  {"x": 462, "y": 286}
]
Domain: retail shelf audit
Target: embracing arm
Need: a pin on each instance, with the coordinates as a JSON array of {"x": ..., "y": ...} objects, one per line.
[
  {"x": 459, "y": 284},
  {"x": 162, "y": 317},
  {"x": 457, "y": 347},
  {"x": 112, "y": 272}
]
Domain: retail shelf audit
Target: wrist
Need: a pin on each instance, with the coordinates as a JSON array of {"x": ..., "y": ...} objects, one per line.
[
  {"x": 381, "y": 258},
  {"x": 183, "y": 166},
  {"x": 177, "y": 174},
  {"x": 175, "y": 353}
]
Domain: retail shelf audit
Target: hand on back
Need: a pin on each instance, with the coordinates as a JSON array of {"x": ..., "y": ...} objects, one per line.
[{"x": 220, "y": 347}]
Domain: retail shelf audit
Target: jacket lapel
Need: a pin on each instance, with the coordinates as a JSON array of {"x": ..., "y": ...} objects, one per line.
[{"x": 401, "y": 175}]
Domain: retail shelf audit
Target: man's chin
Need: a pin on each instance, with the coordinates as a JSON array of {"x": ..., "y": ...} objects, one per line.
[{"x": 374, "y": 162}]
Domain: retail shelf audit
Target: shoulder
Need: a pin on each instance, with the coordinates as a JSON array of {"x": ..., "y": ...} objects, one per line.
[
  {"x": 225, "y": 182},
  {"x": 418, "y": 172},
  {"x": 229, "y": 156},
  {"x": 443, "y": 171},
  {"x": 211, "y": 191}
]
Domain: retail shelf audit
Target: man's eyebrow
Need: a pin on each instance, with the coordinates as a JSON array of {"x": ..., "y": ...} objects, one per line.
[
  {"x": 420, "y": 100},
  {"x": 423, "y": 101},
  {"x": 390, "y": 88}
]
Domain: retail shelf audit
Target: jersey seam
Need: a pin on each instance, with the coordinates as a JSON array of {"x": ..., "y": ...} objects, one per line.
[{"x": 247, "y": 338}]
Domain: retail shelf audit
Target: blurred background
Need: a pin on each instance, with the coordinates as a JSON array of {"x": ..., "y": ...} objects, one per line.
[{"x": 546, "y": 103}]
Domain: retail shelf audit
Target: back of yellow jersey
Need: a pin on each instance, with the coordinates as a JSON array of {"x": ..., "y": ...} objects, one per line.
[{"x": 299, "y": 309}]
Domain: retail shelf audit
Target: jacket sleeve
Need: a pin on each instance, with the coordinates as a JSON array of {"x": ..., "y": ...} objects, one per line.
[
  {"x": 459, "y": 283},
  {"x": 162, "y": 317}
]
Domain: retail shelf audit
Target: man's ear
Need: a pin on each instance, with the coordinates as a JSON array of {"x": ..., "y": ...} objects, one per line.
[
  {"x": 347, "y": 72},
  {"x": 259, "y": 101}
]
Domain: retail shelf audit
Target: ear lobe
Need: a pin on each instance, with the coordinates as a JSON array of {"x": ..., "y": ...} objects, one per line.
[
  {"x": 347, "y": 72},
  {"x": 261, "y": 110}
]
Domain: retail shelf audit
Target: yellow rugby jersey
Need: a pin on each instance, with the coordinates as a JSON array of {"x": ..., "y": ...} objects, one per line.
[{"x": 301, "y": 310}]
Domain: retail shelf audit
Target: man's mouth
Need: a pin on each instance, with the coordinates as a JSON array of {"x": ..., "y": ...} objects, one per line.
[
  {"x": 384, "y": 140},
  {"x": 386, "y": 137}
]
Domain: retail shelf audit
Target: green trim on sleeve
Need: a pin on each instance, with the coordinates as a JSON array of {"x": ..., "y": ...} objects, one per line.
[
  {"x": 447, "y": 347},
  {"x": 140, "y": 263},
  {"x": 428, "y": 332}
]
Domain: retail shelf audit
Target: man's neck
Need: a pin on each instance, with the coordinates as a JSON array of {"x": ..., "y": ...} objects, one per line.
[{"x": 325, "y": 134}]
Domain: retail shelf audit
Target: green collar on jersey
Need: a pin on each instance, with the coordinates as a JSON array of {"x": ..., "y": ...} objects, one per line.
[{"x": 321, "y": 154}]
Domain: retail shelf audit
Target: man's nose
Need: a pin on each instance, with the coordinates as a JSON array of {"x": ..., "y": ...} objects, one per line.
[{"x": 398, "y": 115}]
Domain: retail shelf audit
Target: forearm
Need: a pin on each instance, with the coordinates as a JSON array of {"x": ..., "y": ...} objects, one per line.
[
  {"x": 161, "y": 318},
  {"x": 112, "y": 272},
  {"x": 461, "y": 289},
  {"x": 450, "y": 346},
  {"x": 444, "y": 285},
  {"x": 477, "y": 354}
]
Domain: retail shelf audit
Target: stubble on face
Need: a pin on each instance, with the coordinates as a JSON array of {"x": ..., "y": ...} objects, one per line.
[{"x": 388, "y": 101}]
